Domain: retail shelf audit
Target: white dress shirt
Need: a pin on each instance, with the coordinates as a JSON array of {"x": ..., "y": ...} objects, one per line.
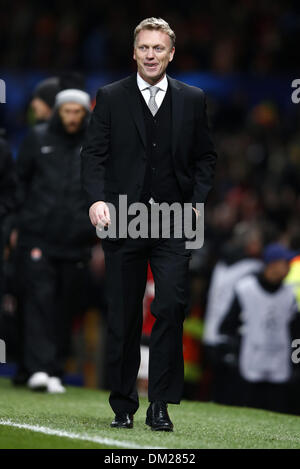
[{"x": 144, "y": 89}]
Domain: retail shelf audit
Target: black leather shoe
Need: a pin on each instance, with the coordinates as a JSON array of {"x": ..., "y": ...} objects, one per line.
[
  {"x": 158, "y": 418},
  {"x": 122, "y": 421}
]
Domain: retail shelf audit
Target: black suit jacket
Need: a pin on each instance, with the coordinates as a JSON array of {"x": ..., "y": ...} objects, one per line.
[{"x": 114, "y": 153}]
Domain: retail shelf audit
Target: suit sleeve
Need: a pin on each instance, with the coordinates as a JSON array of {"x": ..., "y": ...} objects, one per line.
[
  {"x": 205, "y": 156},
  {"x": 95, "y": 151}
]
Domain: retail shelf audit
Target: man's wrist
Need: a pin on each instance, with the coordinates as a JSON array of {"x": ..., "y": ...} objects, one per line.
[{"x": 97, "y": 202}]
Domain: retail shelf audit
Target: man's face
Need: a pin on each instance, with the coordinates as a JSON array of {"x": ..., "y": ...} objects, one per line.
[
  {"x": 41, "y": 110},
  {"x": 72, "y": 115},
  {"x": 276, "y": 271},
  {"x": 153, "y": 51}
]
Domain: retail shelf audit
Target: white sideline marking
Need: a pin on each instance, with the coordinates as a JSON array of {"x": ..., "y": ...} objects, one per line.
[{"x": 76, "y": 436}]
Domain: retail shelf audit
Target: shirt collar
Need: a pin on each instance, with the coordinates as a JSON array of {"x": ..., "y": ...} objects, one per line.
[{"x": 142, "y": 84}]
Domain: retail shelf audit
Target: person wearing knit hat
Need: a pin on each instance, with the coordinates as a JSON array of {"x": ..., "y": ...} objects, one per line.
[
  {"x": 43, "y": 98},
  {"x": 75, "y": 96},
  {"x": 54, "y": 238},
  {"x": 72, "y": 105}
]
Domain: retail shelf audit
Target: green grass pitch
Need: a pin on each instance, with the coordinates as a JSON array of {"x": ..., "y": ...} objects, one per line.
[{"x": 81, "y": 417}]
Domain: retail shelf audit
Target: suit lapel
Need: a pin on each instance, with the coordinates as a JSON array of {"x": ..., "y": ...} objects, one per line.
[
  {"x": 177, "y": 111},
  {"x": 135, "y": 106}
]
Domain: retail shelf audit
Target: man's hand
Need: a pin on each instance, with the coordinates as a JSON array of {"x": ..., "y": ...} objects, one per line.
[{"x": 99, "y": 214}]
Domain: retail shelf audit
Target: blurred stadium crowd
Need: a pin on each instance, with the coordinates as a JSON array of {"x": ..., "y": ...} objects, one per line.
[
  {"x": 223, "y": 36},
  {"x": 256, "y": 199}
]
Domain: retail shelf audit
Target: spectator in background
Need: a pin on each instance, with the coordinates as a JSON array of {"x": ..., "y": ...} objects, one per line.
[
  {"x": 260, "y": 325},
  {"x": 42, "y": 104},
  {"x": 43, "y": 99},
  {"x": 240, "y": 257},
  {"x": 54, "y": 237},
  {"x": 44, "y": 94}
]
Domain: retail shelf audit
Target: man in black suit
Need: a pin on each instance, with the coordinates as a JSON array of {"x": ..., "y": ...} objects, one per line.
[{"x": 148, "y": 138}]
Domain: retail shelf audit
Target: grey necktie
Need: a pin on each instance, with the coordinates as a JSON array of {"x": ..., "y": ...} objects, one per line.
[{"x": 152, "y": 103}]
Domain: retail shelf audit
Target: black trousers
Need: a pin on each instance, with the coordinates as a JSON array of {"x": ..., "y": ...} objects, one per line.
[
  {"x": 126, "y": 274},
  {"x": 50, "y": 294}
]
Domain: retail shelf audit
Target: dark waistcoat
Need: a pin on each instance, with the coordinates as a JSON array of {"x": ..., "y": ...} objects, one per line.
[{"x": 160, "y": 181}]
